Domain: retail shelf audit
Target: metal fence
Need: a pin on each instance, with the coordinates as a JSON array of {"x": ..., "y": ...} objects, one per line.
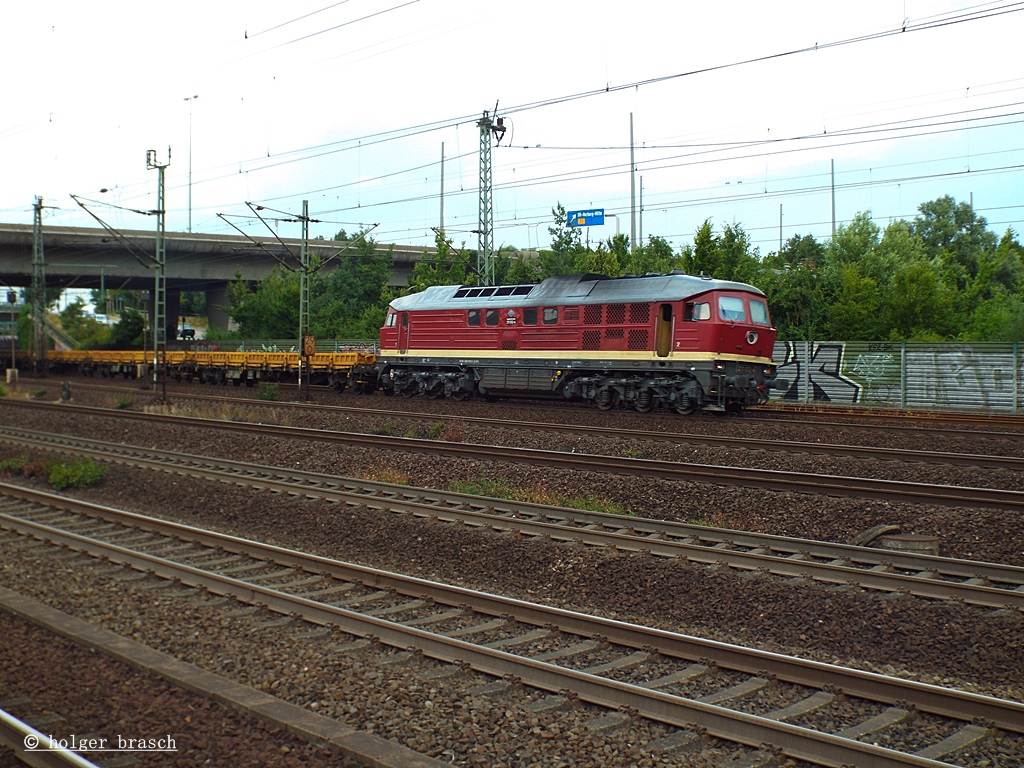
[{"x": 910, "y": 375}]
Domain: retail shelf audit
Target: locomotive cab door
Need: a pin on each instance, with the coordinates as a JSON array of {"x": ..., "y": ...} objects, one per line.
[
  {"x": 403, "y": 333},
  {"x": 663, "y": 330}
]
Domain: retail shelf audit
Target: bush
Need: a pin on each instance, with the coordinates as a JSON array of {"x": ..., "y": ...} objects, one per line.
[
  {"x": 268, "y": 390},
  {"x": 78, "y": 474}
]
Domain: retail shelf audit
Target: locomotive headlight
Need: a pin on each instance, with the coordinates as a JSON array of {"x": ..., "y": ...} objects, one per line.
[
  {"x": 768, "y": 370},
  {"x": 751, "y": 337},
  {"x": 719, "y": 366}
]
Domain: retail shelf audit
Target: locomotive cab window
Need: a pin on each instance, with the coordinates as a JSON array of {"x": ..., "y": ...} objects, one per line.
[
  {"x": 696, "y": 310},
  {"x": 550, "y": 315},
  {"x": 473, "y": 317},
  {"x": 491, "y": 318},
  {"x": 758, "y": 312},
  {"x": 390, "y": 322},
  {"x": 530, "y": 316},
  {"x": 731, "y": 308}
]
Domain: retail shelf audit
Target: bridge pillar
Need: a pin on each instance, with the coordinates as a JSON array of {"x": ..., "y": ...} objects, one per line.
[{"x": 217, "y": 305}]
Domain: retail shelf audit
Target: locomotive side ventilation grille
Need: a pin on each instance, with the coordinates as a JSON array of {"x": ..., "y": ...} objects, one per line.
[
  {"x": 508, "y": 344},
  {"x": 615, "y": 314},
  {"x": 639, "y": 338},
  {"x": 592, "y": 314},
  {"x": 639, "y": 313},
  {"x": 614, "y": 333},
  {"x": 592, "y": 339}
]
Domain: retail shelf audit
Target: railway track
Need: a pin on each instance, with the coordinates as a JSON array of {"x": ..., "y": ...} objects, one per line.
[
  {"x": 761, "y": 479},
  {"x": 984, "y": 584},
  {"x": 672, "y": 435},
  {"x": 821, "y": 713}
]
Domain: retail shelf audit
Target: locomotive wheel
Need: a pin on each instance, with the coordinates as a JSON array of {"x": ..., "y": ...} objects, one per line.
[
  {"x": 607, "y": 398},
  {"x": 644, "y": 402},
  {"x": 685, "y": 406}
]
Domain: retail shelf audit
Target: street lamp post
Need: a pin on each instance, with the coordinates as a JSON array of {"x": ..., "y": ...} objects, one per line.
[{"x": 190, "y": 99}]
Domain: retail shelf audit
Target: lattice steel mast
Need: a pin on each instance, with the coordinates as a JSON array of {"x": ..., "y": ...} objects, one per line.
[
  {"x": 38, "y": 291},
  {"x": 160, "y": 283},
  {"x": 485, "y": 247}
]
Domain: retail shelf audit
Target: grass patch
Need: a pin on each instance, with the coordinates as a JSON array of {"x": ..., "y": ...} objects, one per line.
[
  {"x": 79, "y": 473},
  {"x": 39, "y": 393},
  {"x": 123, "y": 403},
  {"x": 502, "y": 489},
  {"x": 386, "y": 475}
]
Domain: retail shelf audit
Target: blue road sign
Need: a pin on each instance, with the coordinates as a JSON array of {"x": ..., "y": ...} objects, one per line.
[{"x": 588, "y": 218}]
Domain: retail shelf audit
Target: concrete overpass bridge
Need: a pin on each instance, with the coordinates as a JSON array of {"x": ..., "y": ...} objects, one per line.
[{"x": 84, "y": 257}]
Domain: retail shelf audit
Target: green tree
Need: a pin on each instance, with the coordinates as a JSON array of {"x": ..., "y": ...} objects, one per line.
[
  {"x": 513, "y": 268},
  {"x": 565, "y": 244},
  {"x": 83, "y": 328},
  {"x": 268, "y": 310},
  {"x": 954, "y": 235},
  {"x": 793, "y": 282},
  {"x": 702, "y": 258},
  {"x": 656, "y": 256},
  {"x": 599, "y": 261},
  {"x": 448, "y": 266},
  {"x": 349, "y": 295},
  {"x": 919, "y": 306},
  {"x": 854, "y": 313},
  {"x": 127, "y": 332}
]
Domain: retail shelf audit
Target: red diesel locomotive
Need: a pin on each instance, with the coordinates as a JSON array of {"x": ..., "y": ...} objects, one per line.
[{"x": 672, "y": 341}]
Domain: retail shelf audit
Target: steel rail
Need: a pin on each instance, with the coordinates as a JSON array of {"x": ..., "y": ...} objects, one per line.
[
  {"x": 35, "y": 748},
  {"x": 947, "y": 702},
  {"x": 821, "y": 748},
  {"x": 846, "y": 564},
  {"x": 761, "y": 479},
  {"x": 738, "y": 727},
  {"x": 820, "y": 449}
]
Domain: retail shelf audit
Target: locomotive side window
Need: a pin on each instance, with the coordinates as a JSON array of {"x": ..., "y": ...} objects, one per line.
[
  {"x": 696, "y": 310},
  {"x": 390, "y": 322},
  {"x": 530, "y": 316},
  {"x": 491, "y": 318},
  {"x": 731, "y": 308},
  {"x": 758, "y": 312},
  {"x": 550, "y": 315},
  {"x": 473, "y": 317}
]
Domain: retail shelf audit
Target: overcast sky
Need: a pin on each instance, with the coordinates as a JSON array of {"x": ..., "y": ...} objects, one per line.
[{"x": 739, "y": 109}]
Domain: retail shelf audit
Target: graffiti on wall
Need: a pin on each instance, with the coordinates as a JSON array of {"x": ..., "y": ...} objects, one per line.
[
  {"x": 902, "y": 374},
  {"x": 823, "y": 373}
]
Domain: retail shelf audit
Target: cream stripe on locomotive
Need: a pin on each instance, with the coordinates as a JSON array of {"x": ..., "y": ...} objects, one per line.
[{"x": 550, "y": 356}]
